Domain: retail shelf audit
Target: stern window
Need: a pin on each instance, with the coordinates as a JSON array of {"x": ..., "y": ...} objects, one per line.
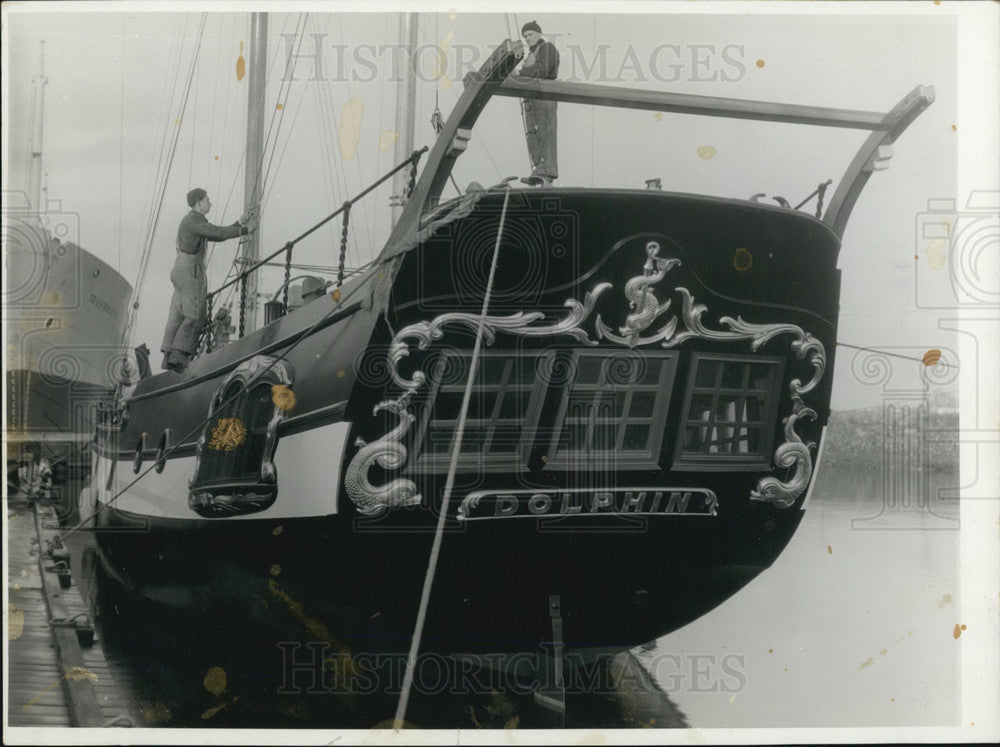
[
  {"x": 614, "y": 408},
  {"x": 729, "y": 412}
]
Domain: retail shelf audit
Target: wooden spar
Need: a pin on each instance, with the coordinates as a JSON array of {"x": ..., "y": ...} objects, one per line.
[
  {"x": 34, "y": 180},
  {"x": 874, "y": 155},
  {"x": 253, "y": 173},
  {"x": 452, "y": 141},
  {"x": 406, "y": 96},
  {"x": 492, "y": 80},
  {"x": 681, "y": 103}
]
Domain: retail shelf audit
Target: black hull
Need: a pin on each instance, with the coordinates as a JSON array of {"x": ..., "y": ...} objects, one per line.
[
  {"x": 490, "y": 593},
  {"x": 753, "y": 298}
]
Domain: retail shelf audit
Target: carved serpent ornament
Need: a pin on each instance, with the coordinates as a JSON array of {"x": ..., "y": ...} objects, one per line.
[{"x": 388, "y": 453}]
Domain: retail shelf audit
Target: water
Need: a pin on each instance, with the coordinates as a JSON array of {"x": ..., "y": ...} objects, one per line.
[{"x": 852, "y": 626}]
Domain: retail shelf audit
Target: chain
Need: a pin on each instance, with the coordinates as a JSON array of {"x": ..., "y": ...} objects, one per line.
[
  {"x": 288, "y": 275},
  {"x": 243, "y": 305},
  {"x": 819, "y": 200},
  {"x": 343, "y": 243},
  {"x": 414, "y": 160},
  {"x": 207, "y": 334},
  {"x": 817, "y": 193}
]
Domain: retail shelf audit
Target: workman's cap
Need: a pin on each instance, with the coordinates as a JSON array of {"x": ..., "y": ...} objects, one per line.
[
  {"x": 195, "y": 195},
  {"x": 312, "y": 287},
  {"x": 531, "y": 26}
]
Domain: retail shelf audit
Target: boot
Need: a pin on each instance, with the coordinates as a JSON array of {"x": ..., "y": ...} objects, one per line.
[{"x": 176, "y": 360}]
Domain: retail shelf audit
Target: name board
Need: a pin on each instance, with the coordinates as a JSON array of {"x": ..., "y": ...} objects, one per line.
[{"x": 518, "y": 504}]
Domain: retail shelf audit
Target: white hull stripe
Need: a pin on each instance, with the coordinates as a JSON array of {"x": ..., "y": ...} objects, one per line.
[{"x": 308, "y": 464}]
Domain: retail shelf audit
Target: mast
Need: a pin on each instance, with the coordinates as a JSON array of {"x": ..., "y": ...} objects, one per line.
[
  {"x": 253, "y": 176},
  {"x": 406, "y": 97},
  {"x": 34, "y": 180}
]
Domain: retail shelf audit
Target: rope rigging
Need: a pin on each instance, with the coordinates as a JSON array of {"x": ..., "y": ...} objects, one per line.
[
  {"x": 241, "y": 277},
  {"x": 162, "y": 178},
  {"x": 243, "y": 157},
  {"x": 261, "y": 173},
  {"x": 452, "y": 469}
]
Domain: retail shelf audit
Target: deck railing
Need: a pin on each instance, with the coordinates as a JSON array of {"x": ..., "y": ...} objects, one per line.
[{"x": 287, "y": 248}]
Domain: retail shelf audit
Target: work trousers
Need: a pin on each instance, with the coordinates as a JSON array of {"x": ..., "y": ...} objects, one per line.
[
  {"x": 540, "y": 131},
  {"x": 188, "y": 315}
]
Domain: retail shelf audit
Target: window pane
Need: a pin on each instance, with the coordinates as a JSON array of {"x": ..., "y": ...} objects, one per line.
[
  {"x": 513, "y": 405},
  {"x": 760, "y": 376},
  {"x": 745, "y": 391},
  {"x": 701, "y": 407},
  {"x": 732, "y": 375},
  {"x": 622, "y": 410},
  {"x": 588, "y": 369},
  {"x": 642, "y": 405},
  {"x": 492, "y": 370},
  {"x": 496, "y": 419},
  {"x": 604, "y": 437},
  {"x": 635, "y": 437},
  {"x": 447, "y": 405},
  {"x": 694, "y": 438},
  {"x": 438, "y": 440},
  {"x": 622, "y": 370},
  {"x": 706, "y": 373},
  {"x": 649, "y": 371},
  {"x": 481, "y": 405},
  {"x": 506, "y": 439}
]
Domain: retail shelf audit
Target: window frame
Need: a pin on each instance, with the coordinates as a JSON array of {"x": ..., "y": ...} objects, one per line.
[
  {"x": 423, "y": 462},
  {"x": 648, "y": 458},
  {"x": 756, "y": 461}
]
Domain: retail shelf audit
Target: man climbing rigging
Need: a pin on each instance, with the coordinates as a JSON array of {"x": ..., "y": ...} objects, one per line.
[
  {"x": 188, "y": 315},
  {"x": 541, "y": 61}
]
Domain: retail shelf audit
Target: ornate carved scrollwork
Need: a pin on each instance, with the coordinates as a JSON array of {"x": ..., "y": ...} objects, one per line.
[
  {"x": 220, "y": 504},
  {"x": 388, "y": 452},
  {"x": 521, "y": 323},
  {"x": 644, "y": 305},
  {"x": 792, "y": 453},
  {"x": 644, "y": 309}
]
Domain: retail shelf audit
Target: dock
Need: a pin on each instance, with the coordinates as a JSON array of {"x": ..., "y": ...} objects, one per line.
[
  {"x": 58, "y": 674},
  {"x": 61, "y": 676}
]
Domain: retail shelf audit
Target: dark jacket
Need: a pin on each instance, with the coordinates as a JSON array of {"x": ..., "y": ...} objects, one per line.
[
  {"x": 195, "y": 232},
  {"x": 546, "y": 64}
]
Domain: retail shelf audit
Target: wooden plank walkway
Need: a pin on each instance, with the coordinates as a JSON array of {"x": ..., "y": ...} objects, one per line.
[{"x": 52, "y": 679}]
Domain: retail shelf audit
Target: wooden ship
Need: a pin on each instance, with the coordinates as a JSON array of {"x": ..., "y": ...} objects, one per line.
[{"x": 621, "y": 413}]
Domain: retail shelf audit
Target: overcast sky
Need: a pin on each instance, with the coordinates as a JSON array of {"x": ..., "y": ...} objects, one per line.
[{"x": 115, "y": 81}]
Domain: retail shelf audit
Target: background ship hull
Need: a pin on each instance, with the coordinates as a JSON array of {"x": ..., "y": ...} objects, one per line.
[{"x": 65, "y": 312}]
